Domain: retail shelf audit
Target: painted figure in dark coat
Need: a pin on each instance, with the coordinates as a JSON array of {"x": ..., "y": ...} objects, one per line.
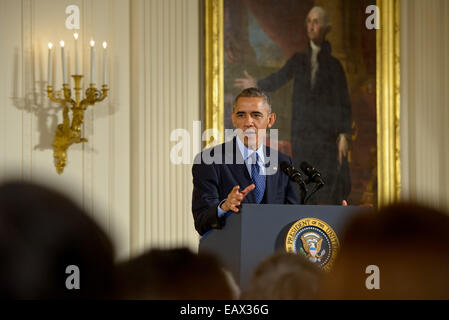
[{"x": 321, "y": 109}]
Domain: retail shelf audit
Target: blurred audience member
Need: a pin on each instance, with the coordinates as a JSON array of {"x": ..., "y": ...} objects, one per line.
[
  {"x": 41, "y": 234},
  {"x": 408, "y": 243},
  {"x": 173, "y": 274},
  {"x": 284, "y": 276}
]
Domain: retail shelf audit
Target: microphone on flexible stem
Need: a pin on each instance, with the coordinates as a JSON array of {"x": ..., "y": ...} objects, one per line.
[
  {"x": 313, "y": 175},
  {"x": 295, "y": 176}
]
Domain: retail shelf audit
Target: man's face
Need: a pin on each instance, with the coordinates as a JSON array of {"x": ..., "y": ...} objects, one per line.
[
  {"x": 251, "y": 118},
  {"x": 315, "y": 29}
]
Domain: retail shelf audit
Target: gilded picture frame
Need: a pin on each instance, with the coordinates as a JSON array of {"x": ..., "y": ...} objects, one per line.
[{"x": 388, "y": 179}]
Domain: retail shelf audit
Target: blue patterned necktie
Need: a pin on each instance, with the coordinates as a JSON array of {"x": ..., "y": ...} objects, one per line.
[{"x": 258, "y": 179}]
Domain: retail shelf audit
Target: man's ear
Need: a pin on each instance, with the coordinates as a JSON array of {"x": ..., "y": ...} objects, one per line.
[{"x": 272, "y": 119}]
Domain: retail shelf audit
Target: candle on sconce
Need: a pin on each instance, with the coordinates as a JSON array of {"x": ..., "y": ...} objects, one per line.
[
  {"x": 92, "y": 61},
  {"x": 105, "y": 66},
  {"x": 64, "y": 69},
  {"x": 50, "y": 45},
  {"x": 77, "y": 61}
]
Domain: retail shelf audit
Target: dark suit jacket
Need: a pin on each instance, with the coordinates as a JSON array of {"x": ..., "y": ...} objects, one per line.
[{"x": 213, "y": 182}]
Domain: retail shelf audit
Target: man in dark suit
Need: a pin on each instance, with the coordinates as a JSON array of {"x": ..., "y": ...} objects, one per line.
[{"x": 242, "y": 170}]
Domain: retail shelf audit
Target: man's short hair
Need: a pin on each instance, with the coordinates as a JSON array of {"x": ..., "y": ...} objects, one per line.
[{"x": 254, "y": 93}]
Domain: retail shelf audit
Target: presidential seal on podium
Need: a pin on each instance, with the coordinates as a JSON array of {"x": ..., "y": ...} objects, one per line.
[{"x": 315, "y": 239}]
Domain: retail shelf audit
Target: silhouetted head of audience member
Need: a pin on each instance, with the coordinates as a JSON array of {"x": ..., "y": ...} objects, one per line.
[
  {"x": 284, "y": 276},
  {"x": 173, "y": 274},
  {"x": 398, "y": 252},
  {"x": 48, "y": 245}
]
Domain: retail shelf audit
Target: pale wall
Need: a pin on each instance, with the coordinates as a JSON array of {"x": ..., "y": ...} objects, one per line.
[
  {"x": 122, "y": 176},
  {"x": 425, "y": 101}
]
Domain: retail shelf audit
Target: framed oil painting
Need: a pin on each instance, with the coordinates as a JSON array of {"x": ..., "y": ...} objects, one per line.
[{"x": 333, "y": 83}]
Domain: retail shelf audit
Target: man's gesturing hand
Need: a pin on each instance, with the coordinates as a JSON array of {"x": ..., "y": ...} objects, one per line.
[{"x": 235, "y": 198}]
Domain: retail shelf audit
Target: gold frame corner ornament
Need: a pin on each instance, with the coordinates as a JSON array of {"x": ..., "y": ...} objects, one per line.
[{"x": 388, "y": 90}]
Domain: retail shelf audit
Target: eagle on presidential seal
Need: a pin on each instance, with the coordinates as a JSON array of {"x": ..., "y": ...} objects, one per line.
[{"x": 311, "y": 242}]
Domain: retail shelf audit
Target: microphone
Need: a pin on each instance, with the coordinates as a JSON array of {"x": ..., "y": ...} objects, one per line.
[
  {"x": 293, "y": 173},
  {"x": 295, "y": 176},
  {"x": 313, "y": 174}
]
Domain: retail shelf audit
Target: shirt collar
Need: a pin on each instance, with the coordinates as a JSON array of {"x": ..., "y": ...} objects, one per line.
[
  {"x": 315, "y": 48},
  {"x": 246, "y": 152}
]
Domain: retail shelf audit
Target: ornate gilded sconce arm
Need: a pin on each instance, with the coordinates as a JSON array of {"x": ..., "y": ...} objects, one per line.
[
  {"x": 93, "y": 95},
  {"x": 57, "y": 96},
  {"x": 68, "y": 132}
]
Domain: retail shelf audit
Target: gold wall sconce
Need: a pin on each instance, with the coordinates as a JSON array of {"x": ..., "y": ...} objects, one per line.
[{"x": 69, "y": 132}]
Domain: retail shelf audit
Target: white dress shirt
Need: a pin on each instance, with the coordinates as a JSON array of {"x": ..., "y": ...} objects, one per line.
[{"x": 314, "y": 61}]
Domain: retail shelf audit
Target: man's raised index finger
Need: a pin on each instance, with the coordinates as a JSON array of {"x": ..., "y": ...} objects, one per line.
[{"x": 248, "y": 189}]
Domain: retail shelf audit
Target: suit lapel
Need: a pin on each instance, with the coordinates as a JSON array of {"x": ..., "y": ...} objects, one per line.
[
  {"x": 271, "y": 187},
  {"x": 271, "y": 171}
]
